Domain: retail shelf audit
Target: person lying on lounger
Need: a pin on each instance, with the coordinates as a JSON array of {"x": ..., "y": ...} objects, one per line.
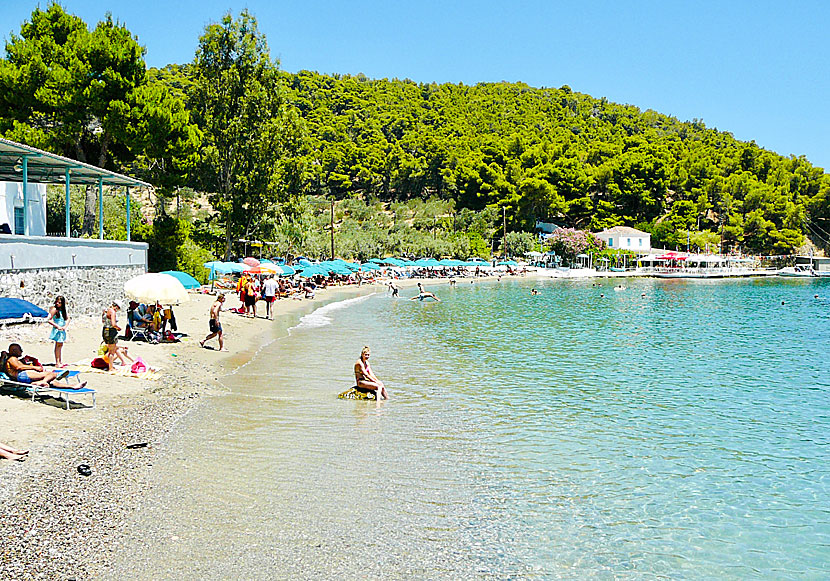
[{"x": 33, "y": 374}]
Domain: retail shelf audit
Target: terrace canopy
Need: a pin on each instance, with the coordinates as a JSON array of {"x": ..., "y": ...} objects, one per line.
[{"x": 22, "y": 163}]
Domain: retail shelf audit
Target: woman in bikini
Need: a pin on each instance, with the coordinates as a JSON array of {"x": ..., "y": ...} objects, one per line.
[{"x": 365, "y": 378}]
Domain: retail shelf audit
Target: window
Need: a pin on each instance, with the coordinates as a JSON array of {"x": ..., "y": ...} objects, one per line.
[
  {"x": 19, "y": 221},
  {"x": 628, "y": 242},
  {"x": 610, "y": 242},
  {"x": 641, "y": 241}
]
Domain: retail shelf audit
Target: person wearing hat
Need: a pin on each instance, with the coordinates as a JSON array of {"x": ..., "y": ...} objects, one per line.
[{"x": 110, "y": 332}]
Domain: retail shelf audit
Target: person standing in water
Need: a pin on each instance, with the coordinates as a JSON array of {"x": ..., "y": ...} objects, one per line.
[
  {"x": 422, "y": 294},
  {"x": 365, "y": 378}
]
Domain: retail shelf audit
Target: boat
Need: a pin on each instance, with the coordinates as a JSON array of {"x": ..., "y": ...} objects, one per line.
[{"x": 797, "y": 272}]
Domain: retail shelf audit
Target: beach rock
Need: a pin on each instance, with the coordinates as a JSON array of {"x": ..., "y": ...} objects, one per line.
[{"x": 354, "y": 393}]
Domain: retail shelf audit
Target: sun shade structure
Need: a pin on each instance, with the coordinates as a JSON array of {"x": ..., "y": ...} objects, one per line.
[
  {"x": 22, "y": 163},
  {"x": 187, "y": 281},
  {"x": 155, "y": 286}
]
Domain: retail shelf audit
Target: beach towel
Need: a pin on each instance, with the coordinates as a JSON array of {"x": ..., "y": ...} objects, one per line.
[{"x": 150, "y": 374}]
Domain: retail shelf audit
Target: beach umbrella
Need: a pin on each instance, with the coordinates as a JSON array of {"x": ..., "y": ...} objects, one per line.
[
  {"x": 303, "y": 262},
  {"x": 508, "y": 263},
  {"x": 187, "y": 281},
  {"x": 224, "y": 267},
  {"x": 370, "y": 266},
  {"x": 287, "y": 270},
  {"x": 446, "y": 262},
  {"x": 269, "y": 268},
  {"x": 251, "y": 261},
  {"x": 265, "y": 261},
  {"x": 12, "y": 309},
  {"x": 154, "y": 286}
]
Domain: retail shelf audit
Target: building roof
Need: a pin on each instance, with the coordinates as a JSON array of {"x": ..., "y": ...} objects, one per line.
[
  {"x": 622, "y": 231},
  {"x": 47, "y": 168}
]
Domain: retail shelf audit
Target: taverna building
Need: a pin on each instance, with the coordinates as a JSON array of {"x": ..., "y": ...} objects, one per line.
[
  {"x": 626, "y": 238},
  {"x": 36, "y": 266}
]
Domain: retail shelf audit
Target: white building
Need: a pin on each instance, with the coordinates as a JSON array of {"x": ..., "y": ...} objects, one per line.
[
  {"x": 11, "y": 208},
  {"x": 625, "y": 238}
]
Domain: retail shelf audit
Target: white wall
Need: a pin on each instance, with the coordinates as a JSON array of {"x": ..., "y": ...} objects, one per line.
[
  {"x": 37, "y": 252},
  {"x": 623, "y": 242},
  {"x": 11, "y": 196}
]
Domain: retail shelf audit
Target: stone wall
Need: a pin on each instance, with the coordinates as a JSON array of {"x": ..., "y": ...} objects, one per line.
[{"x": 87, "y": 289}]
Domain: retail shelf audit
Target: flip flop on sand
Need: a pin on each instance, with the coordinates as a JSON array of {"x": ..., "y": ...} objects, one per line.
[{"x": 62, "y": 375}]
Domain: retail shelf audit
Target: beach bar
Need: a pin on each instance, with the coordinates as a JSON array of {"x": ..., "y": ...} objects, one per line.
[{"x": 37, "y": 267}]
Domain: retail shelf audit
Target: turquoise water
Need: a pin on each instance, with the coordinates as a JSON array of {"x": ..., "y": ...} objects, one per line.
[{"x": 675, "y": 429}]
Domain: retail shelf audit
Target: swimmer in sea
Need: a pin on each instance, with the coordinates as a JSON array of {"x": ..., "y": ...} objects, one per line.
[
  {"x": 365, "y": 378},
  {"x": 422, "y": 294},
  {"x": 534, "y": 292}
]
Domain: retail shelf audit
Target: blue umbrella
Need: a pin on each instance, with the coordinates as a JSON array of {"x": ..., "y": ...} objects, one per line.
[
  {"x": 390, "y": 261},
  {"x": 18, "y": 309},
  {"x": 509, "y": 263},
  {"x": 287, "y": 270},
  {"x": 370, "y": 266},
  {"x": 187, "y": 281}
]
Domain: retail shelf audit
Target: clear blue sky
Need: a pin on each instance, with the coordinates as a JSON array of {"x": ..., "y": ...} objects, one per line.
[{"x": 757, "y": 69}]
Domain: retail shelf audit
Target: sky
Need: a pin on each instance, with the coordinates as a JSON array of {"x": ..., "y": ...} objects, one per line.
[{"x": 756, "y": 69}]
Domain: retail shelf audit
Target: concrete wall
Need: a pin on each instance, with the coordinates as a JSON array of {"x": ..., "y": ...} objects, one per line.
[
  {"x": 87, "y": 289},
  {"x": 11, "y": 196},
  {"x": 33, "y": 252}
]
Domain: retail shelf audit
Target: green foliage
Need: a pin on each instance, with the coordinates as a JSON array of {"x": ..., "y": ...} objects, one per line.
[
  {"x": 448, "y": 162},
  {"x": 250, "y": 131},
  {"x": 519, "y": 243}
]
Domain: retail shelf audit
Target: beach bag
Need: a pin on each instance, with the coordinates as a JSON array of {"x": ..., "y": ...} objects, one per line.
[
  {"x": 99, "y": 363},
  {"x": 29, "y": 360},
  {"x": 138, "y": 366}
]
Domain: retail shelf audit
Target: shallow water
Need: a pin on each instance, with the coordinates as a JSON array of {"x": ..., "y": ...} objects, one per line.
[{"x": 680, "y": 434}]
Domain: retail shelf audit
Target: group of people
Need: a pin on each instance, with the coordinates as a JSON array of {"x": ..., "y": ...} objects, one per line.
[
  {"x": 252, "y": 289},
  {"x": 152, "y": 319}
]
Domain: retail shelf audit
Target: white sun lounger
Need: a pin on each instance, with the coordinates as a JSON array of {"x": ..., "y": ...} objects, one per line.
[{"x": 36, "y": 390}]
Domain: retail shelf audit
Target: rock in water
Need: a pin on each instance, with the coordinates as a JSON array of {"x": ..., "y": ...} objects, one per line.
[{"x": 354, "y": 393}]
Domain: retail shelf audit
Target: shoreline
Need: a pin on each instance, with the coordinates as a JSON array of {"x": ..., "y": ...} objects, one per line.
[{"x": 72, "y": 533}]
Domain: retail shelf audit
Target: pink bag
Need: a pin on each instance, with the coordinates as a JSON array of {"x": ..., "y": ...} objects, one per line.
[{"x": 138, "y": 366}]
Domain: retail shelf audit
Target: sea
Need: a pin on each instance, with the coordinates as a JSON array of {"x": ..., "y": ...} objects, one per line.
[{"x": 668, "y": 429}]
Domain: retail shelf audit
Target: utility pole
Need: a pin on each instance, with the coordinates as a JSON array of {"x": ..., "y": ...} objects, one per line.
[
  {"x": 505, "y": 232},
  {"x": 331, "y": 224}
]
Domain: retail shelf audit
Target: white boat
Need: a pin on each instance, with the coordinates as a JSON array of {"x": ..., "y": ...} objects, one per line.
[{"x": 797, "y": 271}]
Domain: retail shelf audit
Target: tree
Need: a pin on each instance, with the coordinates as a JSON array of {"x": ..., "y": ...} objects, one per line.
[
  {"x": 84, "y": 94},
  {"x": 251, "y": 133}
]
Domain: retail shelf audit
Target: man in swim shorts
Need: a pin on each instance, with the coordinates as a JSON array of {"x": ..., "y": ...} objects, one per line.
[
  {"x": 269, "y": 293},
  {"x": 32, "y": 374},
  {"x": 364, "y": 377},
  {"x": 214, "y": 324},
  {"x": 422, "y": 294}
]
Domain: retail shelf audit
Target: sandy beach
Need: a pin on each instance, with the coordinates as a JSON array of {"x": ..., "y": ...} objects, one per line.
[{"x": 60, "y": 524}]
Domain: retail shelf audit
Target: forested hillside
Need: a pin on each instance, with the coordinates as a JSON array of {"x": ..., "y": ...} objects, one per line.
[
  {"x": 418, "y": 168},
  {"x": 553, "y": 154}
]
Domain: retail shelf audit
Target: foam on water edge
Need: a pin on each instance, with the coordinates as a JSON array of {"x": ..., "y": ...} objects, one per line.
[{"x": 320, "y": 317}]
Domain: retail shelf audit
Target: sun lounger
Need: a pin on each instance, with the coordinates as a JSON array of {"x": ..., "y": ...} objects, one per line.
[{"x": 40, "y": 390}]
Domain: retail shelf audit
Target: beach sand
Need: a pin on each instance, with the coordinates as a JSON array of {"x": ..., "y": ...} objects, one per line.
[{"x": 58, "y": 523}]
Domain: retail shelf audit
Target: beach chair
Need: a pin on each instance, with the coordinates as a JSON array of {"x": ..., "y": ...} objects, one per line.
[
  {"x": 136, "y": 332},
  {"x": 40, "y": 390}
]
